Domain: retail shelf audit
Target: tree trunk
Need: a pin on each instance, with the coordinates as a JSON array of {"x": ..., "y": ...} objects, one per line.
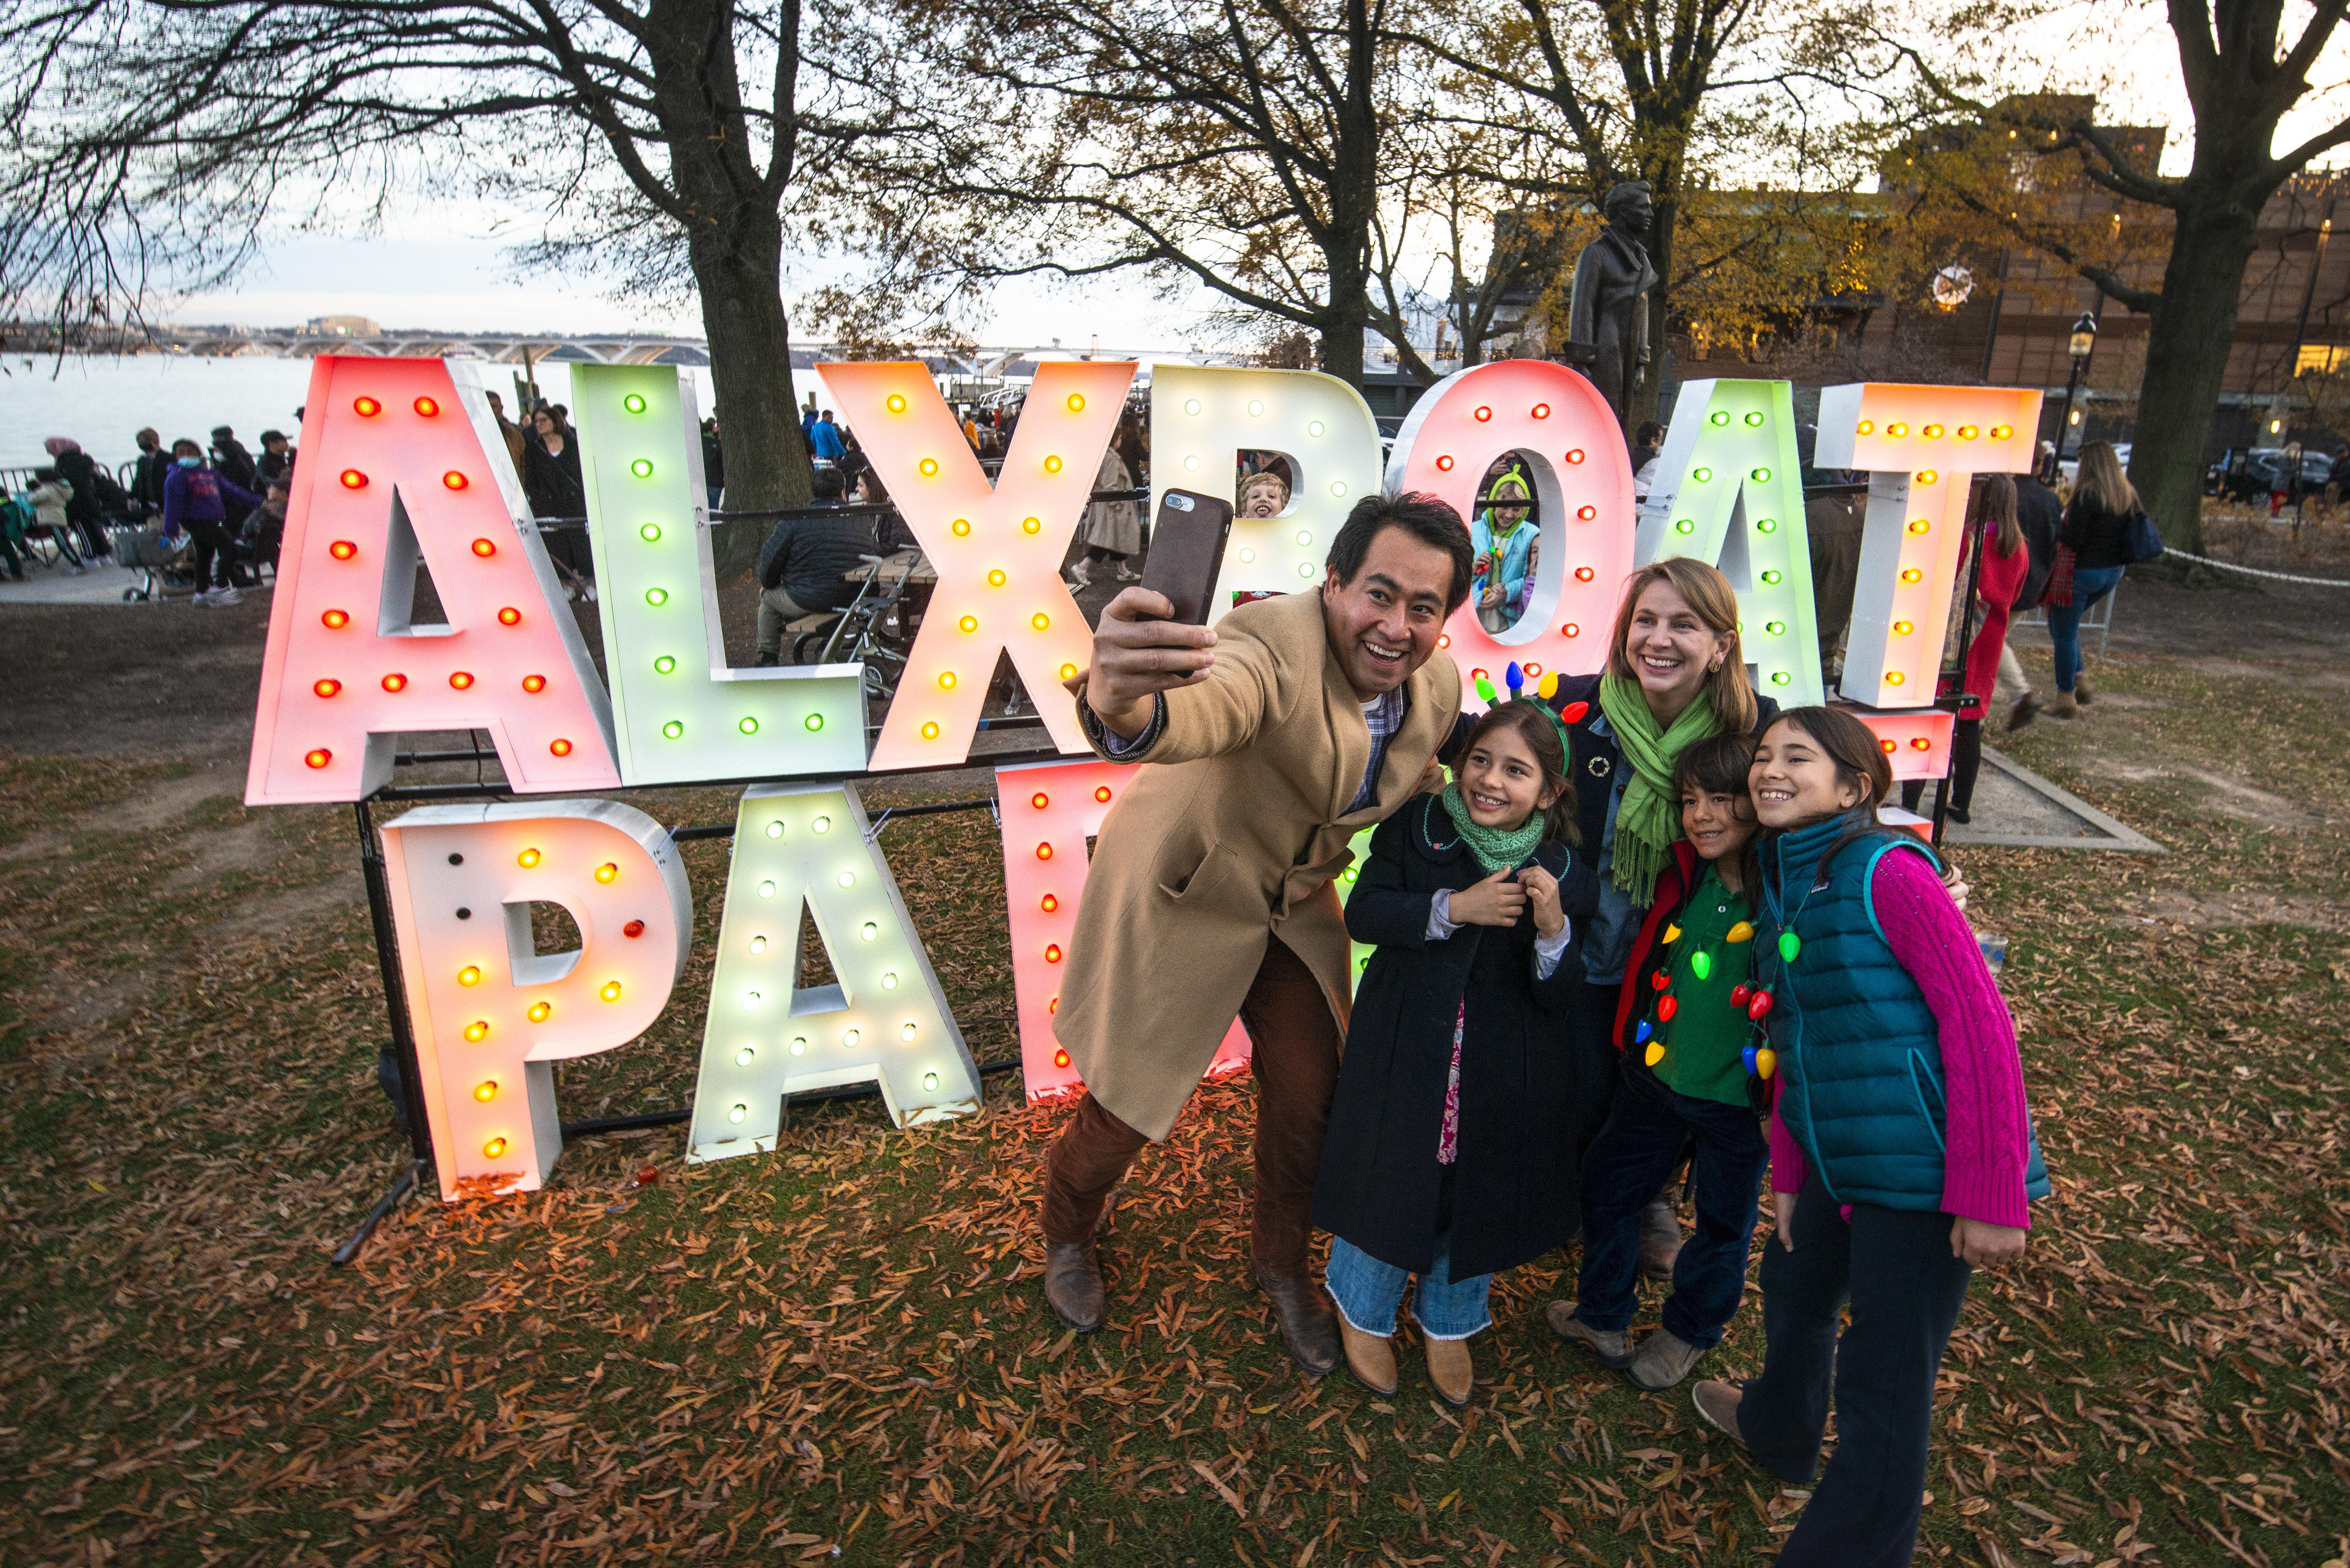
[
  {"x": 2193, "y": 327},
  {"x": 1342, "y": 332},
  {"x": 751, "y": 374}
]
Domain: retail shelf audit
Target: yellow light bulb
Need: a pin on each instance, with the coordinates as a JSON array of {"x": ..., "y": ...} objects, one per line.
[
  {"x": 1868, "y": 427},
  {"x": 995, "y": 578},
  {"x": 897, "y": 403},
  {"x": 611, "y": 992},
  {"x": 539, "y": 1011},
  {"x": 1927, "y": 476},
  {"x": 1052, "y": 465},
  {"x": 1040, "y": 620},
  {"x": 607, "y": 872},
  {"x": 477, "y": 1030},
  {"x": 1068, "y": 672},
  {"x": 930, "y": 730},
  {"x": 486, "y": 1090},
  {"x": 969, "y": 623},
  {"x": 494, "y": 1147},
  {"x": 1933, "y": 433},
  {"x": 469, "y": 975},
  {"x": 1897, "y": 429},
  {"x": 1913, "y": 576},
  {"x": 1030, "y": 524},
  {"x": 1903, "y": 627},
  {"x": 526, "y": 859},
  {"x": 946, "y": 680},
  {"x": 962, "y": 528},
  {"x": 930, "y": 466},
  {"x": 1894, "y": 678},
  {"x": 1077, "y": 402}
]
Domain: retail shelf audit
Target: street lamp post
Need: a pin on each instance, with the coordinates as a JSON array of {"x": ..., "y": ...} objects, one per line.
[{"x": 2083, "y": 342}]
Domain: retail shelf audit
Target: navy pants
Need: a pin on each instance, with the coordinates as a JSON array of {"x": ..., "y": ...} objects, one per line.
[
  {"x": 1896, "y": 1269},
  {"x": 1635, "y": 1152}
]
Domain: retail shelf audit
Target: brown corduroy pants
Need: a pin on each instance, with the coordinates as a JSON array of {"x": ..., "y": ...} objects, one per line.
[{"x": 1294, "y": 1054}]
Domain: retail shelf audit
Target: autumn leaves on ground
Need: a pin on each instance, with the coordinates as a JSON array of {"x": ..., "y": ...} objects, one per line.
[{"x": 840, "y": 1351}]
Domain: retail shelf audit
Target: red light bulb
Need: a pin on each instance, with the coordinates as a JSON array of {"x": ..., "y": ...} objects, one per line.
[
  {"x": 561, "y": 748},
  {"x": 1053, "y": 953},
  {"x": 354, "y": 480},
  {"x": 319, "y": 758},
  {"x": 1038, "y": 800},
  {"x": 326, "y": 688},
  {"x": 633, "y": 929},
  {"x": 509, "y": 617},
  {"x": 533, "y": 683},
  {"x": 395, "y": 682},
  {"x": 334, "y": 620},
  {"x": 342, "y": 549},
  {"x": 368, "y": 407},
  {"x": 460, "y": 679},
  {"x": 453, "y": 480},
  {"x": 483, "y": 547},
  {"x": 1102, "y": 794},
  {"x": 1051, "y": 903},
  {"x": 427, "y": 407}
]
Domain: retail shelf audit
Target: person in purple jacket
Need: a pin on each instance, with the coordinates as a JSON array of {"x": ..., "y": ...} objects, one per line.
[{"x": 196, "y": 499}]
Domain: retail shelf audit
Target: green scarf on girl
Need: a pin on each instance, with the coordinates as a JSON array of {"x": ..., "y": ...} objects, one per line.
[
  {"x": 1496, "y": 848},
  {"x": 1648, "y": 819}
]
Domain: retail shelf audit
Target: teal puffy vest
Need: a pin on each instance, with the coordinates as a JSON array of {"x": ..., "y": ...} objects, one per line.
[{"x": 1859, "y": 1055}]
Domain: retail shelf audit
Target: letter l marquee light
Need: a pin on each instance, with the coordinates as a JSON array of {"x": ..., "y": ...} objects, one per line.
[
  {"x": 681, "y": 714},
  {"x": 1202, "y": 416},
  {"x": 1730, "y": 491},
  {"x": 997, "y": 548},
  {"x": 492, "y": 1014},
  {"x": 397, "y": 465},
  {"x": 1582, "y": 479},
  {"x": 809, "y": 847},
  {"x": 1048, "y": 811}
]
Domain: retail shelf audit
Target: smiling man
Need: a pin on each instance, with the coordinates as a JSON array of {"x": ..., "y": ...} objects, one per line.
[{"x": 1292, "y": 725}]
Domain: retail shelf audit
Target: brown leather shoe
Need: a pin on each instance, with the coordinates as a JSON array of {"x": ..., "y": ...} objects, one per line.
[
  {"x": 1371, "y": 1358},
  {"x": 1309, "y": 1329},
  {"x": 1073, "y": 1284},
  {"x": 1716, "y": 1400},
  {"x": 1450, "y": 1369}
]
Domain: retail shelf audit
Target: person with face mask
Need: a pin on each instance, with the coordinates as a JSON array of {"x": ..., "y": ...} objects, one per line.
[
  {"x": 147, "y": 478},
  {"x": 197, "y": 498}
]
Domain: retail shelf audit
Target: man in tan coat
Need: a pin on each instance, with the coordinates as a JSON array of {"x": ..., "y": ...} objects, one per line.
[{"x": 1293, "y": 724}]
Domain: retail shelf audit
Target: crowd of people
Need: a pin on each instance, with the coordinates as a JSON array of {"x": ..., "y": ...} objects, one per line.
[{"x": 1623, "y": 925}]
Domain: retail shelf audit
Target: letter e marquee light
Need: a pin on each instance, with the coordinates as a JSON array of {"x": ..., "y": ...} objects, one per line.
[
  {"x": 1922, "y": 446},
  {"x": 1581, "y": 479},
  {"x": 1729, "y": 491},
  {"x": 997, "y": 548},
  {"x": 1048, "y": 811},
  {"x": 396, "y": 468},
  {"x": 681, "y": 713},
  {"x": 1203, "y": 417},
  {"x": 492, "y": 1014},
  {"x": 809, "y": 847}
]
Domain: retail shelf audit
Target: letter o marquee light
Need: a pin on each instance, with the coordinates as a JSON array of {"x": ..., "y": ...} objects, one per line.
[
  {"x": 487, "y": 1006},
  {"x": 1580, "y": 466}
]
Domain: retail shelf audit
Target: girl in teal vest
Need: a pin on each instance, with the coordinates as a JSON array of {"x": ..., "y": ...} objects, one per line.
[{"x": 1901, "y": 1149}]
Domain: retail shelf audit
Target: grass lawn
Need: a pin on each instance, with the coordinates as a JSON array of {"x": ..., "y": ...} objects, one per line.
[{"x": 840, "y": 1351}]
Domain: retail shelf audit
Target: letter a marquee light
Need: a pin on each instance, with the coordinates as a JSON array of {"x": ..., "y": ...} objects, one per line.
[
  {"x": 1049, "y": 812},
  {"x": 997, "y": 548},
  {"x": 491, "y": 1014},
  {"x": 1582, "y": 479},
  {"x": 808, "y": 849},
  {"x": 681, "y": 714},
  {"x": 396, "y": 464}
]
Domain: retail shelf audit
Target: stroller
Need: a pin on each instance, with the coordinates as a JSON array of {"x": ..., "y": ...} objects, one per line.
[{"x": 163, "y": 564}]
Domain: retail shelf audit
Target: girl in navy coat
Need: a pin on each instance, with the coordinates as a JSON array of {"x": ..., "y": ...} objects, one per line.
[{"x": 1442, "y": 1158}]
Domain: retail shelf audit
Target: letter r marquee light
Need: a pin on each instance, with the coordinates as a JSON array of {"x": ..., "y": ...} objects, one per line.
[
  {"x": 681, "y": 713},
  {"x": 1922, "y": 446},
  {"x": 1582, "y": 479},
  {"x": 1048, "y": 811},
  {"x": 396, "y": 465},
  {"x": 1203, "y": 417},
  {"x": 491, "y": 1014},
  {"x": 1729, "y": 491},
  {"x": 997, "y": 548},
  {"x": 807, "y": 849}
]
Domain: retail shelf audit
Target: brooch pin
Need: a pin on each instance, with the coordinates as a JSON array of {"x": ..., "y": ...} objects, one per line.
[{"x": 1598, "y": 766}]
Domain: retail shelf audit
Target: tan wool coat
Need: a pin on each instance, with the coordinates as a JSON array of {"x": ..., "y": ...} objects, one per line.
[{"x": 1234, "y": 834}]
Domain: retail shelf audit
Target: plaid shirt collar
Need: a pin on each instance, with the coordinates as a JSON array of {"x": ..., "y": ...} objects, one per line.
[{"x": 1384, "y": 717}]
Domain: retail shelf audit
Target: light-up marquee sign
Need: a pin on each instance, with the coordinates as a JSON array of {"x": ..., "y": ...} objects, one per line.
[
  {"x": 396, "y": 469},
  {"x": 807, "y": 848},
  {"x": 1049, "y": 811},
  {"x": 1582, "y": 480},
  {"x": 681, "y": 713},
  {"x": 491, "y": 1014}
]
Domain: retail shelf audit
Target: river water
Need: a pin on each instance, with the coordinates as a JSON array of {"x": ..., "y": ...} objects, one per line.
[{"x": 103, "y": 402}]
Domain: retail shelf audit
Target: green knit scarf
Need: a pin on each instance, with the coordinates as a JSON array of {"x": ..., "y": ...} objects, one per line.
[
  {"x": 1496, "y": 848},
  {"x": 1648, "y": 819}
]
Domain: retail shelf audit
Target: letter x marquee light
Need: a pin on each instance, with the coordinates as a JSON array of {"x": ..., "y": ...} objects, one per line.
[
  {"x": 396, "y": 472},
  {"x": 997, "y": 547},
  {"x": 1582, "y": 480}
]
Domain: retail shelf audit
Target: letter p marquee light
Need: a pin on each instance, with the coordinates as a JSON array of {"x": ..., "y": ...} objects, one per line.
[
  {"x": 398, "y": 471},
  {"x": 491, "y": 1014},
  {"x": 997, "y": 548}
]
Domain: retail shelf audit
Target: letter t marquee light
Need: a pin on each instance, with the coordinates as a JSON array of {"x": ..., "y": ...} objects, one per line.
[
  {"x": 1922, "y": 446},
  {"x": 997, "y": 548},
  {"x": 681, "y": 714},
  {"x": 396, "y": 473}
]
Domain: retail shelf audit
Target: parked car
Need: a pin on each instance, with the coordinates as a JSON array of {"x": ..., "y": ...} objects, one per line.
[{"x": 2243, "y": 475}]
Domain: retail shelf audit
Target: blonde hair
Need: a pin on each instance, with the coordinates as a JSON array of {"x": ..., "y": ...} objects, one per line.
[
  {"x": 1259, "y": 481},
  {"x": 1708, "y": 593},
  {"x": 2102, "y": 483}
]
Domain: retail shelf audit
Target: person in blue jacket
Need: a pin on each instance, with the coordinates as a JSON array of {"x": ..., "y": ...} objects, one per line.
[
  {"x": 824, "y": 439},
  {"x": 1503, "y": 540},
  {"x": 196, "y": 499}
]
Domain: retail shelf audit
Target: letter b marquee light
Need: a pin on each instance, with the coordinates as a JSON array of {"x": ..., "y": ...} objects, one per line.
[
  {"x": 997, "y": 548},
  {"x": 397, "y": 466},
  {"x": 492, "y": 1014}
]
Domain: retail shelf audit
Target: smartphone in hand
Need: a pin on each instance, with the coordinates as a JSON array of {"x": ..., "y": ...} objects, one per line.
[{"x": 1187, "y": 551}]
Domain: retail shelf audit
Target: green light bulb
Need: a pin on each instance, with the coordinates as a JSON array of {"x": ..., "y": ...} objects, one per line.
[
  {"x": 656, "y": 597},
  {"x": 651, "y": 532},
  {"x": 749, "y": 725},
  {"x": 633, "y": 403},
  {"x": 1779, "y": 678},
  {"x": 1771, "y": 577},
  {"x": 1702, "y": 474},
  {"x": 815, "y": 720},
  {"x": 1776, "y": 627},
  {"x": 1719, "y": 417},
  {"x": 1754, "y": 419},
  {"x": 1685, "y": 526},
  {"x": 665, "y": 664},
  {"x": 1768, "y": 526},
  {"x": 1761, "y": 476},
  {"x": 642, "y": 468},
  {"x": 673, "y": 729}
]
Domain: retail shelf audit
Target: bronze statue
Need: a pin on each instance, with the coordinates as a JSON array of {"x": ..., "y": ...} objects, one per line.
[{"x": 1608, "y": 319}]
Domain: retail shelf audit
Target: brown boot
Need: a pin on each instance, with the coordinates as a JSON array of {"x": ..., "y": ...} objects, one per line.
[
  {"x": 1309, "y": 1329},
  {"x": 1716, "y": 1400},
  {"x": 1371, "y": 1358},
  {"x": 2027, "y": 708},
  {"x": 2063, "y": 706},
  {"x": 1660, "y": 1238},
  {"x": 1450, "y": 1369},
  {"x": 2081, "y": 692},
  {"x": 1073, "y": 1284}
]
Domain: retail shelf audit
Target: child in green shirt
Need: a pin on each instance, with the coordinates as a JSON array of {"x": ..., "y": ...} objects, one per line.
[{"x": 1684, "y": 1026}]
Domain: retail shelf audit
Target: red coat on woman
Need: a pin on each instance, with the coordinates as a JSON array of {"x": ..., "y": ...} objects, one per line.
[{"x": 2001, "y": 580}]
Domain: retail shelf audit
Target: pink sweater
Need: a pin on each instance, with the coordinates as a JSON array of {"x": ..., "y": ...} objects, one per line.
[{"x": 1986, "y": 1129}]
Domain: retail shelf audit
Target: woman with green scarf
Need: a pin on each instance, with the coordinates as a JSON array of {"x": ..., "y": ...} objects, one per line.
[{"x": 1675, "y": 675}]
